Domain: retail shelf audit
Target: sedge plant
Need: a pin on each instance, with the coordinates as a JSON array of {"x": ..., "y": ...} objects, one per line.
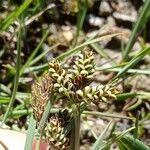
[{"x": 72, "y": 85}]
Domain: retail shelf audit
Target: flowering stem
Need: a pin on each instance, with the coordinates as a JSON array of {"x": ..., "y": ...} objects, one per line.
[{"x": 77, "y": 129}]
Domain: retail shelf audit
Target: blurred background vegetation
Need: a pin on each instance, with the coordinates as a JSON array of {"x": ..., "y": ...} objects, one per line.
[{"x": 118, "y": 32}]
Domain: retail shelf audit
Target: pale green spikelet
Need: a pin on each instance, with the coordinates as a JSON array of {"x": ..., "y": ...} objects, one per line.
[
  {"x": 74, "y": 82},
  {"x": 54, "y": 131},
  {"x": 97, "y": 94},
  {"x": 56, "y": 70},
  {"x": 61, "y": 80},
  {"x": 83, "y": 69}
]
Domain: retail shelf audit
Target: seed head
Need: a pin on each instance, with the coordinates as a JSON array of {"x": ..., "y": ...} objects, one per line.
[
  {"x": 83, "y": 69},
  {"x": 97, "y": 94},
  {"x": 55, "y": 131},
  {"x": 40, "y": 92}
]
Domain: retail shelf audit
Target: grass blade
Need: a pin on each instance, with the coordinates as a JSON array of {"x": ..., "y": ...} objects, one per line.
[
  {"x": 115, "y": 138},
  {"x": 122, "y": 146},
  {"x": 16, "y": 80},
  {"x": 106, "y": 115},
  {"x": 33, "y": 53},
  {"x": 4, "y": 99},
  {"x": 139, "y": 24},
  {"x": 36, "y": 68},
  {"x": 133, "y": 62},
  {"x": 5, "y": 24},
  {"x": 44, "y": 116},
  {"x": 81, "y": 17},
  {"x": 101, "y": 52},
  {"x": 30, "y": 133},
  {"x": 70, "y": 52},
  {"x": 136, "y": 125},
  {"x": 5, "y": 89},
  {"x": 99, "y": 141},
  {"x": 124, "y": 96},
  {"x": 133, "y": 143},
  {"x": 135, "y": 105},
  {"x": 132, "y": 71},
  {"x": 29, "y": 111},
  {"x": 87, "y": 42},
  {"x": 43, "y": 122},
  {"x": 42, "y": 55}
]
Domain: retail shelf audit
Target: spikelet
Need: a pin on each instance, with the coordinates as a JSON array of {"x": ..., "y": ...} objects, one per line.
[
  {"x": 56, "y": 70},
  {"x": 83, "y": 69},
  {"x": 97, "y": 94},
  {"x": 74, "y": 84},
  {"x": 40, "y": 92},
  {"x": 55, "y": 132},
  {"x": 61, "y": 80}
]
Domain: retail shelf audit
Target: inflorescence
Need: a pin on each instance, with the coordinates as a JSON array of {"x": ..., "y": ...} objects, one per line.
[{"x": 72, "y": 84}]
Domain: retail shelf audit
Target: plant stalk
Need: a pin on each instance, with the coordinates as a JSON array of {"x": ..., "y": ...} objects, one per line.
[
  {"x": 16, "y": 80},
  {"x": 77, "y": 130}
]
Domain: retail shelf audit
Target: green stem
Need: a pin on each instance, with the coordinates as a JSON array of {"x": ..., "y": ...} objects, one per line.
[
  {"x": 72, "y": 137},
  {"x": 77, "y": 130},
  {"x": 16, "y": 80},
  {"x": 27, "y": 64},
  {"x": 27, "y": 112}
]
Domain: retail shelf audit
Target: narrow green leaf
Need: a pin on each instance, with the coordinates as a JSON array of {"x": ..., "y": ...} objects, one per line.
[
  {"x": 10, "y": 68},
  {"x": 101, "y": 52},
  {"x": 82, "y": 4},
  {"x": 139, "y": 24},
  {"x": 38, "y": 58},
  {"x": 43, "y": 122},
  {"x": 5, "y": 24},
  {"x": 133, "y": 144},
  {"x": 38, "y": 68},
  {"x": 133, "y": 62},
  {"x": 30, "y": 133},
  {"x": 134, "y": 106},
  {"x": 124, "y": 96},
  {"x": 29, "y": 111},
  {"x": 132, "y": 71},
  {"x": 136, "y": 125},
  {"x": 99, "y": 141},
  {"x": 4, "y": 99},
  {"x": 69, "y": 52},
  {"x": 106, "y": 115},
  {"x": 87, "y": 42},
  {"x": 116, "y": 137},
  {"x": 16, "y": 80},
  {"x": 27, "y": 64},
  {"x": 5, "y": 89},
  {"x": 122, "y": 146},
  {"x": 45, "y": 116}
]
